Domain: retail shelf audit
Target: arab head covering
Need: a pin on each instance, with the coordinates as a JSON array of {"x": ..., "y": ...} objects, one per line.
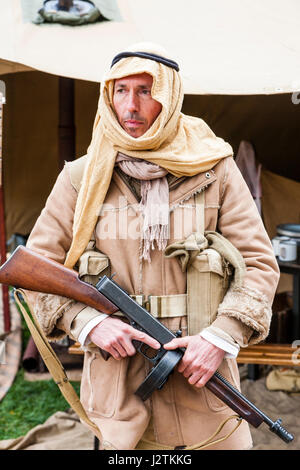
[{"x": 180, "y": 144}]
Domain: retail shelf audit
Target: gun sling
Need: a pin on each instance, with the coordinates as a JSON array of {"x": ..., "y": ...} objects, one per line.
[{"x": 52, "y": 361}]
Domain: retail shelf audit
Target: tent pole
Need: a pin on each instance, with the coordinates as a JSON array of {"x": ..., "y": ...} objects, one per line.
[
  {"x": 66, "y": 129},
  {"x": 5, "y": 292}
]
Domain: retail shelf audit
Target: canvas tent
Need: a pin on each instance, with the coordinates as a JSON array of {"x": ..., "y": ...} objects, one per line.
[
  {"x": 232, "y": 47},
  {"x": 240, "y": 66},
  {"x": 241, "y": 71}
]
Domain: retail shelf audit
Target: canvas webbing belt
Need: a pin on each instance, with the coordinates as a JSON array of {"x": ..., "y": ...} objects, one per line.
[{"x": 163, "y": 306}]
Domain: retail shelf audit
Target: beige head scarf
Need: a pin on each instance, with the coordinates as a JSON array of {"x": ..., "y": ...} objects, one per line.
[{"x": 183, "y": 145}]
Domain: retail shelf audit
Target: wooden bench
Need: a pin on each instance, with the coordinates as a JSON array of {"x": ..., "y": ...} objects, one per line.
[
  {"x": 268, "y": 354},
  {"x": 75, "y": 349}
]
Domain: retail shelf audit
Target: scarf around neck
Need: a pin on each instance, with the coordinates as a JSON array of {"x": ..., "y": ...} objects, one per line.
[
  {"x": 154, "y": 201},
  {"x": 181, "y": 145}
]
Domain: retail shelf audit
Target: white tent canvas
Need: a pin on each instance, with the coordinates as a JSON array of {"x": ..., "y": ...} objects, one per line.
[{"x": 223, "y": 47}]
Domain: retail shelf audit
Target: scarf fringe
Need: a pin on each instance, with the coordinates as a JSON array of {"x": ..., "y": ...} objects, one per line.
[{"x": 155, "y": 233}]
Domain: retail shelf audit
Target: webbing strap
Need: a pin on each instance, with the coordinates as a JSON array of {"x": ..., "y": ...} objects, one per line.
[
  {"x": 200, "y": 211},
  {"x": 206, "y": 443},
  {"x": 151, "y": 445},
  {"x": 163, "y": 306}
]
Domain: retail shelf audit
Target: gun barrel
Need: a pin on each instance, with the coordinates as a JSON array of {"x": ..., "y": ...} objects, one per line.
[
  {"x": 244, "y": 407},
  {"x": 281, "y": 431}
]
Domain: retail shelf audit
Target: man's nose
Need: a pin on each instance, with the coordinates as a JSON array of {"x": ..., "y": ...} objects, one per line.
[{"x": 132, "y": 103}]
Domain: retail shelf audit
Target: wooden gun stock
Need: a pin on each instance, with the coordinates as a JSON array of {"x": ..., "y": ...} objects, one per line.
[{"x": 29, "y": 270}]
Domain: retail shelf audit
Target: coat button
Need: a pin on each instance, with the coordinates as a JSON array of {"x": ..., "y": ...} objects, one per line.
[{"x": 207, "y": 175}]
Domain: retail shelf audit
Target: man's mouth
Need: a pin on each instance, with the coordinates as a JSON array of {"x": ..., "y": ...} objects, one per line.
[{"x": 133, "y": 123}]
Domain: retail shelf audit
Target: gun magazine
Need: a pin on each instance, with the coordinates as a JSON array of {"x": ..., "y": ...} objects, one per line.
[{"x": 159, "y": 374}]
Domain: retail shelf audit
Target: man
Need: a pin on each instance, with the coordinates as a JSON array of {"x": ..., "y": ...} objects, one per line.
[{"x": 149, "y": 161}]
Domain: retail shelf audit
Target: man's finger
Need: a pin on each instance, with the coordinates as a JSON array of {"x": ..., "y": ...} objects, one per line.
[
  {"x": 128, "y": 346},
  {"x": 183, "y": 366},
  {"x": 144, "y": 338},
  {"x": 194, "y": 378},
  {"x": 205, "y": 378},
  {"x": 177, "y": 343},
  {"x": 114, "y": 353},
  {"x": 117, "y": 346}
]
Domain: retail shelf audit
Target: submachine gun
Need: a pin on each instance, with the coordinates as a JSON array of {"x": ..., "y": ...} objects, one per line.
[{"x": 29, "y": 270}]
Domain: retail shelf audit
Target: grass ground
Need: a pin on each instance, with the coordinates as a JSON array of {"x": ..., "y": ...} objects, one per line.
[{"x": 28, "y": 404}]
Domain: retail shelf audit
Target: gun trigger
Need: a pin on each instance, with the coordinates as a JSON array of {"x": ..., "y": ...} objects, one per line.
[{"x": 136, "y": 343}]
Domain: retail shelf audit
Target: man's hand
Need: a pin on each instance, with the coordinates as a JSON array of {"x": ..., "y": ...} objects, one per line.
[
  {"x": 115, "y": 336},
  {"x": 201, "y": 358}
]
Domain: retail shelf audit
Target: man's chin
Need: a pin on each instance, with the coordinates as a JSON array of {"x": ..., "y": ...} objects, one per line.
[{"x": 134, "y": 132}]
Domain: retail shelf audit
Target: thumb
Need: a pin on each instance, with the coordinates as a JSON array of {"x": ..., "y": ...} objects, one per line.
[{"x": 177, "y": 343}]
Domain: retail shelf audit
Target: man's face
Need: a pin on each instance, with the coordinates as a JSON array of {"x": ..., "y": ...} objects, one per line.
[{"x": 135, "y": 108}]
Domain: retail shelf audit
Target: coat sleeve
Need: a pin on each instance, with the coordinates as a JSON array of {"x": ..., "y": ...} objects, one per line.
[
  {"x": 51, "y": 236},
  {"x": 248, "y": 305}
]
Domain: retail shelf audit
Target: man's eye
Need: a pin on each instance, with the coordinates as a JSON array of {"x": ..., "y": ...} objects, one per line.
[
  {"x": 120, "y": 90},
  {"x": 146, "y": 92}
]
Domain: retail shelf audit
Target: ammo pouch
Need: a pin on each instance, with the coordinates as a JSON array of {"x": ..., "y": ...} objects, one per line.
[
  {"x": 212, "y": 263},
  {"x": 92, "y": 264}
]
